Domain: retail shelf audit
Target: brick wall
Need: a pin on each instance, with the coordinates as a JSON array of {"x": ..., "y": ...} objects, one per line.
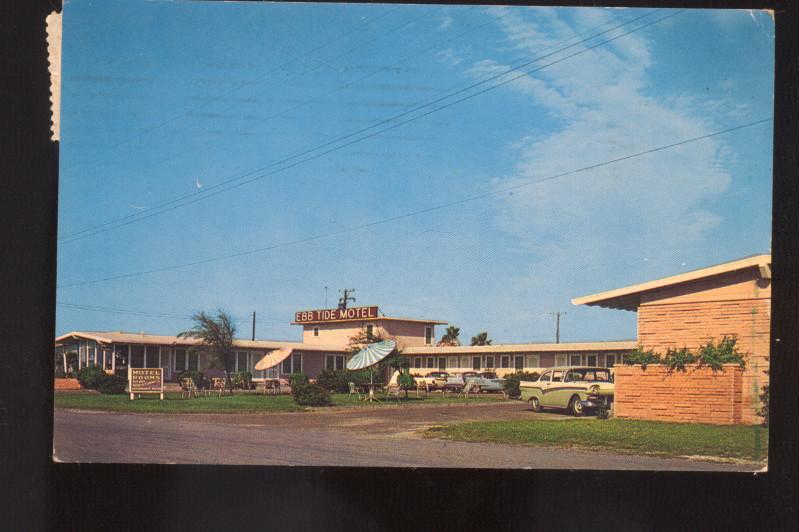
[
  {"x": 698, "y": 395},
  {"x": 66, "y": 384},
  {"x": 690, "y": 324}
]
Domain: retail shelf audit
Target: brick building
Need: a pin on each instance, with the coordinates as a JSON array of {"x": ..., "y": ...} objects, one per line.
[{"x": 730, "y": 299}]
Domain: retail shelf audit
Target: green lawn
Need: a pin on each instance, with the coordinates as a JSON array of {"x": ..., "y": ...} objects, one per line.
[
  {"x": 618, "y": 435},
  {"x": 237, "y": 403}
]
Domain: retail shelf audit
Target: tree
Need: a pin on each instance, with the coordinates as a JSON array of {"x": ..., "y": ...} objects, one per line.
[
  {"x": 481, "y": 339},
  {"x": 216, "y": 334},
  {"x": 450, "y": 336}
]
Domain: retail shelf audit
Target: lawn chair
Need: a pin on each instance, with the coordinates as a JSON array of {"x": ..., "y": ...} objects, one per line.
[
  {"x": 355, "y": 390},
  {"x": 218, "y": 385},
  {"x": 392, "y": 389},
  {"x": 422, "y": 387},
  {"x": 469, "y": 387},
  {"x": 187, "y": 388}
]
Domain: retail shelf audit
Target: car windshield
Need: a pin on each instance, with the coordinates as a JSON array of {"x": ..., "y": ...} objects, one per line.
[
  {"x": 590, "y": 375},
  {"x": 546, "y": 376}
]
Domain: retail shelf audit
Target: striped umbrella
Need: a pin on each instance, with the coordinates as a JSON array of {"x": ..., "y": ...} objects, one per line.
[
  {"x": 273, "y": 358},
  {"x": 371, "y": 354}
]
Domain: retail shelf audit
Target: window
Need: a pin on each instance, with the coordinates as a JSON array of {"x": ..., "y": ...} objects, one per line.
[
  {"x": 180, "y": 359},
  {"x": 370, "y": 330},
  {"x": 476, "y": 363},
  {"x": 91, "y": 357},
  {"x": 452, "y": 362},
  {"x": 545, "y": 376},
  {"x": 431, "y": 362},
  {"x": 107, "y": 358},
  {"x": 296, "y": 363},
  {"x": 316, "y": 331},
  {"x": 137, "y": 356},
  {"x": 574, "y": 360},
  {"x": 334, "y": 362},
  {"x": 561, "y": 360},
  {"x": 194, "y": 361},
  {"x": 417, "y": 362},
  {"x": 241, "y": 361},
  {"x": 557, "y": 376},
  {"x": 518, "y": 362},
  {"x": 570, "y": 377},
  {"x": 286, "y": 369},
  {"x": 442, "y": 363},
  {"x": 590, "y": 360},
  {"x": 610, "y": 361},
  {"x": 428, "y": 335},
  {"x": 533, "y": 361},
  {"x": 490, "y": 362},
  {"x": 504, "y": 362}
]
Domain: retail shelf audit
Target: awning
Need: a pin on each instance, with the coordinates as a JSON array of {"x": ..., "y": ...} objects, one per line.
[
  {"x": 273, "y": 358},
  {"x": 371, "y": 354}
]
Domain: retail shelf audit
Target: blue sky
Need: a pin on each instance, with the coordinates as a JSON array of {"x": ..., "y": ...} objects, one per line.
[{"x": 165, "y": 102}]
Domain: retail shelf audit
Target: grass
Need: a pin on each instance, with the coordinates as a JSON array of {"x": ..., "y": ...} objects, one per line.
[
  {"x": 237, "y": 403},
  {"x": 618, "y": 435}
]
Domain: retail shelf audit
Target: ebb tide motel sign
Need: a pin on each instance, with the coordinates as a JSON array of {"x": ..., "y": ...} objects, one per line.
[{"x": 336, "y": 314}]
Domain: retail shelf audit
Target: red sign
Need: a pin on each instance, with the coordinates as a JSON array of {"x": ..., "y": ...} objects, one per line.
[{"x": 335, "y": 314}]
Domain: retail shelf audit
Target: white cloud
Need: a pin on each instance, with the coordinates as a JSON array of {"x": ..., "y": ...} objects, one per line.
[{"x": 587, "y": 224}]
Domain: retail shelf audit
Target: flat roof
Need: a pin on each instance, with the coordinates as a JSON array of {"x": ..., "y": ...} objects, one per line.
[
  {"x": 522, "y": 348},
  {"x": 628, "y": 297},
  {"x": 121, "y": 337},
  {"x": 377, "y": 318}
]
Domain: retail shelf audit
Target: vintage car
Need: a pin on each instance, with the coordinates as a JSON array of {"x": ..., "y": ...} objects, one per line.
[
  {"x": 438, "y": 380},
  {"x": 574, "y": 388},
  {"x": 487, "y": 381}
]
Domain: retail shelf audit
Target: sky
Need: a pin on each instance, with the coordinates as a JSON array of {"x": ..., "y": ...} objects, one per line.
[{"x": 476, "y": 165}]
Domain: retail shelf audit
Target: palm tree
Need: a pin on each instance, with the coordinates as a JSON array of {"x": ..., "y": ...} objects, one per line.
[
  {"x": 450, "y": 336},
  {"x": 481, "y": 339},
  {"x": 217, "y": 335}
]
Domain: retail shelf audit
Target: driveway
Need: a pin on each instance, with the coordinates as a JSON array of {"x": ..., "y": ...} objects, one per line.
[{"x": 376, "y": 437}]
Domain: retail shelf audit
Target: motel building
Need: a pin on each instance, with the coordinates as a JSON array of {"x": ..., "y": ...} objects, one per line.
[
  {"x": 326, "y": 335},
  {"x": 686, "y": 310}
]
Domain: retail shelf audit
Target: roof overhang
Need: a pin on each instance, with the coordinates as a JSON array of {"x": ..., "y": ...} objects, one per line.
[{"x": 629, "y": 297}]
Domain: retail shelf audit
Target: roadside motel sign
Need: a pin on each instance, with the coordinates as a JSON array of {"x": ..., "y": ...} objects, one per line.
[
  {"x": 335, "y": 314},
  {"x": 146, "y": 380}
]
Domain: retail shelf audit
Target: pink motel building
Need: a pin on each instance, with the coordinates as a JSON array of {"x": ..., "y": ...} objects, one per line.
[{"x": 326, "y": 335}]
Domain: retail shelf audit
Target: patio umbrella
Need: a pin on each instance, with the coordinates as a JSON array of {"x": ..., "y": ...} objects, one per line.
[
  {"x": 273, "y": 358},
  {"x": 371, "y": 355}
]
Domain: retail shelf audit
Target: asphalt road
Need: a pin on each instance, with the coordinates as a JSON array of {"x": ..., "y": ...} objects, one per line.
[{"x": 378, "y": 437}]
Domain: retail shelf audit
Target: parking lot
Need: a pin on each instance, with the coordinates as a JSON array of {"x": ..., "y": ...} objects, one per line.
[{"x": 379, "y": 437}]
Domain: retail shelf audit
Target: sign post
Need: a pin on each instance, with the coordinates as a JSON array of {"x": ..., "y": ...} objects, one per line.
[{"x": 146, "y": 380}]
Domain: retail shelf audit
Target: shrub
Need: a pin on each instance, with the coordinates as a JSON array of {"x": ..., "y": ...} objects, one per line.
[
  {"x": 242, "y": 380},
  {"x": 89, "y": 376},
  {"x": 642, "y": 357},
  {"x": 725, "y": 352},
  {"x": 406, "y": 381},
  {"x": 512, "y": 382},
  {"x": 112, "y": 384},
  {"x": 678, "y": 358},
  {"x": 306, "y": 394},
  {"x": 602, "y": 411},
  {"x": 764, "y": 398},
  {"x": 334, "y": 380},
  {"x": 297, "y": 379}
]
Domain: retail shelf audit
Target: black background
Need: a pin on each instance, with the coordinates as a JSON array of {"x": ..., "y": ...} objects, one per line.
[{"x": 37, "y": 494}]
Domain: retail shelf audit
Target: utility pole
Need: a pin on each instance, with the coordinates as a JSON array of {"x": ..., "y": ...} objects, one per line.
[
  {"x": 253, "y": 325},
  {"x": 342, "y": 302},
  {"x": 557, "y": 324}
]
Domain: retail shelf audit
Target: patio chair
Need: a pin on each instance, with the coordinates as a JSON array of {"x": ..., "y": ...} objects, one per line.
[
  {"x": 392, "y": 389},
  {"x": 355, "y": 390},
  {"x": 218, "y": 385},
  {"x": 422, "y": 387},
  {"x": 187, "y": 388},
  {"x": 469, "y": 387}
]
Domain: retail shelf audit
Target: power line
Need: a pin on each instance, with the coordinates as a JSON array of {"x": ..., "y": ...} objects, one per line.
[
  {"x": 221, "y": 186},
  {"x": 116, "y": 310},
  {"x": 421, "y": 211},
  {"x": 282, "y": 66}
]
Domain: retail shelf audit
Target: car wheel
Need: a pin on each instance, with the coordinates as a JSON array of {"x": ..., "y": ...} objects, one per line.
[
  {"x": 576, "y": 407},
  {"x": 535, "y": 405}
]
